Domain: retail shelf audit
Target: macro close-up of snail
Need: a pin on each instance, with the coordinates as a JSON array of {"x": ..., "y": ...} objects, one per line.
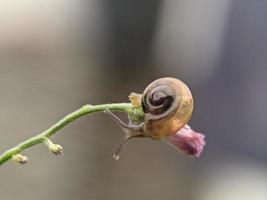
[
  {"x": 126, "y": 100},
  {"x": 160, "y": 113},
  {"x": 167, "y": 104}
]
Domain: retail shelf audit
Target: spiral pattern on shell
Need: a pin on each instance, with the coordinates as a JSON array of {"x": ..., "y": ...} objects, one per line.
[
  {"x": 168, "y": 105},
  {"x": 161, "y": 98}
]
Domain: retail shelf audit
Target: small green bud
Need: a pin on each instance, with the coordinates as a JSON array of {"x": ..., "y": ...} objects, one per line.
[
  {"x": 136, "y": 115},
  {"x": 56, "y": 149}
]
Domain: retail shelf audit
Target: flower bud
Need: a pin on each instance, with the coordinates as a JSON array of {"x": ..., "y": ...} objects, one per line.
[
  {"x": 20, "y": 158},
  {"x": 56, "y": 149},
  {"x": 188, "y": 141}
]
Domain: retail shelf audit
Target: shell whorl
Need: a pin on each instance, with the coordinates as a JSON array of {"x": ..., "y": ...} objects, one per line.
[
  {"x": 161, "y": 98},
  {"x": 167, "y": 104}
]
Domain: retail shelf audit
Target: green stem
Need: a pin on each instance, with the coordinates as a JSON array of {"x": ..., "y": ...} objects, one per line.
[{"x": 85, "y": 110}]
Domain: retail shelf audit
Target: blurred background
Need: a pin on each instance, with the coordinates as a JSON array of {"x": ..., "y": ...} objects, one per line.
[{"x": 56, "y": 56}]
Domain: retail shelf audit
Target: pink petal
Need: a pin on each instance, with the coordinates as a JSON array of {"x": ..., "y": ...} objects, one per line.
[{"x": 188, "y": 141}]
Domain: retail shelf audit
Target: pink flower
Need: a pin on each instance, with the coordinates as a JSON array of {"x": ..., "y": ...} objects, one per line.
[{"x": 188, "y": 141}]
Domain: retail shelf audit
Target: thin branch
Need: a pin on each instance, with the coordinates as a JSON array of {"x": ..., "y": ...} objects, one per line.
[{"x": 57, "y": 149}]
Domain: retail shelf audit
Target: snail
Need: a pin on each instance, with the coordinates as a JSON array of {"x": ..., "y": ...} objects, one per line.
[{"x": 167, "y": 104}]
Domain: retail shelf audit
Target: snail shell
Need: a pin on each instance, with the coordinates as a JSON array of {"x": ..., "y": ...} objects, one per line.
[{"x": 168, "y": 105}]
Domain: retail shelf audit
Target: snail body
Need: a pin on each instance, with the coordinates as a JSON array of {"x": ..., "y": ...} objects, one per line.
[{"x": 167, "y": 104}]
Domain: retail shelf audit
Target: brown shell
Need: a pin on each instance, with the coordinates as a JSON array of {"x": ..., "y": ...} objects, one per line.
[{"x": 168, "y": 106}]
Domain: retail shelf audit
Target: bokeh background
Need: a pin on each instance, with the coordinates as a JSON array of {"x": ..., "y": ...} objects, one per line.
[{"x": 56, "y": 56}]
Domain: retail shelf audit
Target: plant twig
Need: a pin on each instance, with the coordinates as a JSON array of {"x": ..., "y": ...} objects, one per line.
[{"x": 57, "y": 149}]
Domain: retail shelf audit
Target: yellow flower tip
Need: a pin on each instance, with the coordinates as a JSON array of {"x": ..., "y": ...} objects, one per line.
[
  {"x": 20, "y": 159},
  {"x": 135, "y": 99}
]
